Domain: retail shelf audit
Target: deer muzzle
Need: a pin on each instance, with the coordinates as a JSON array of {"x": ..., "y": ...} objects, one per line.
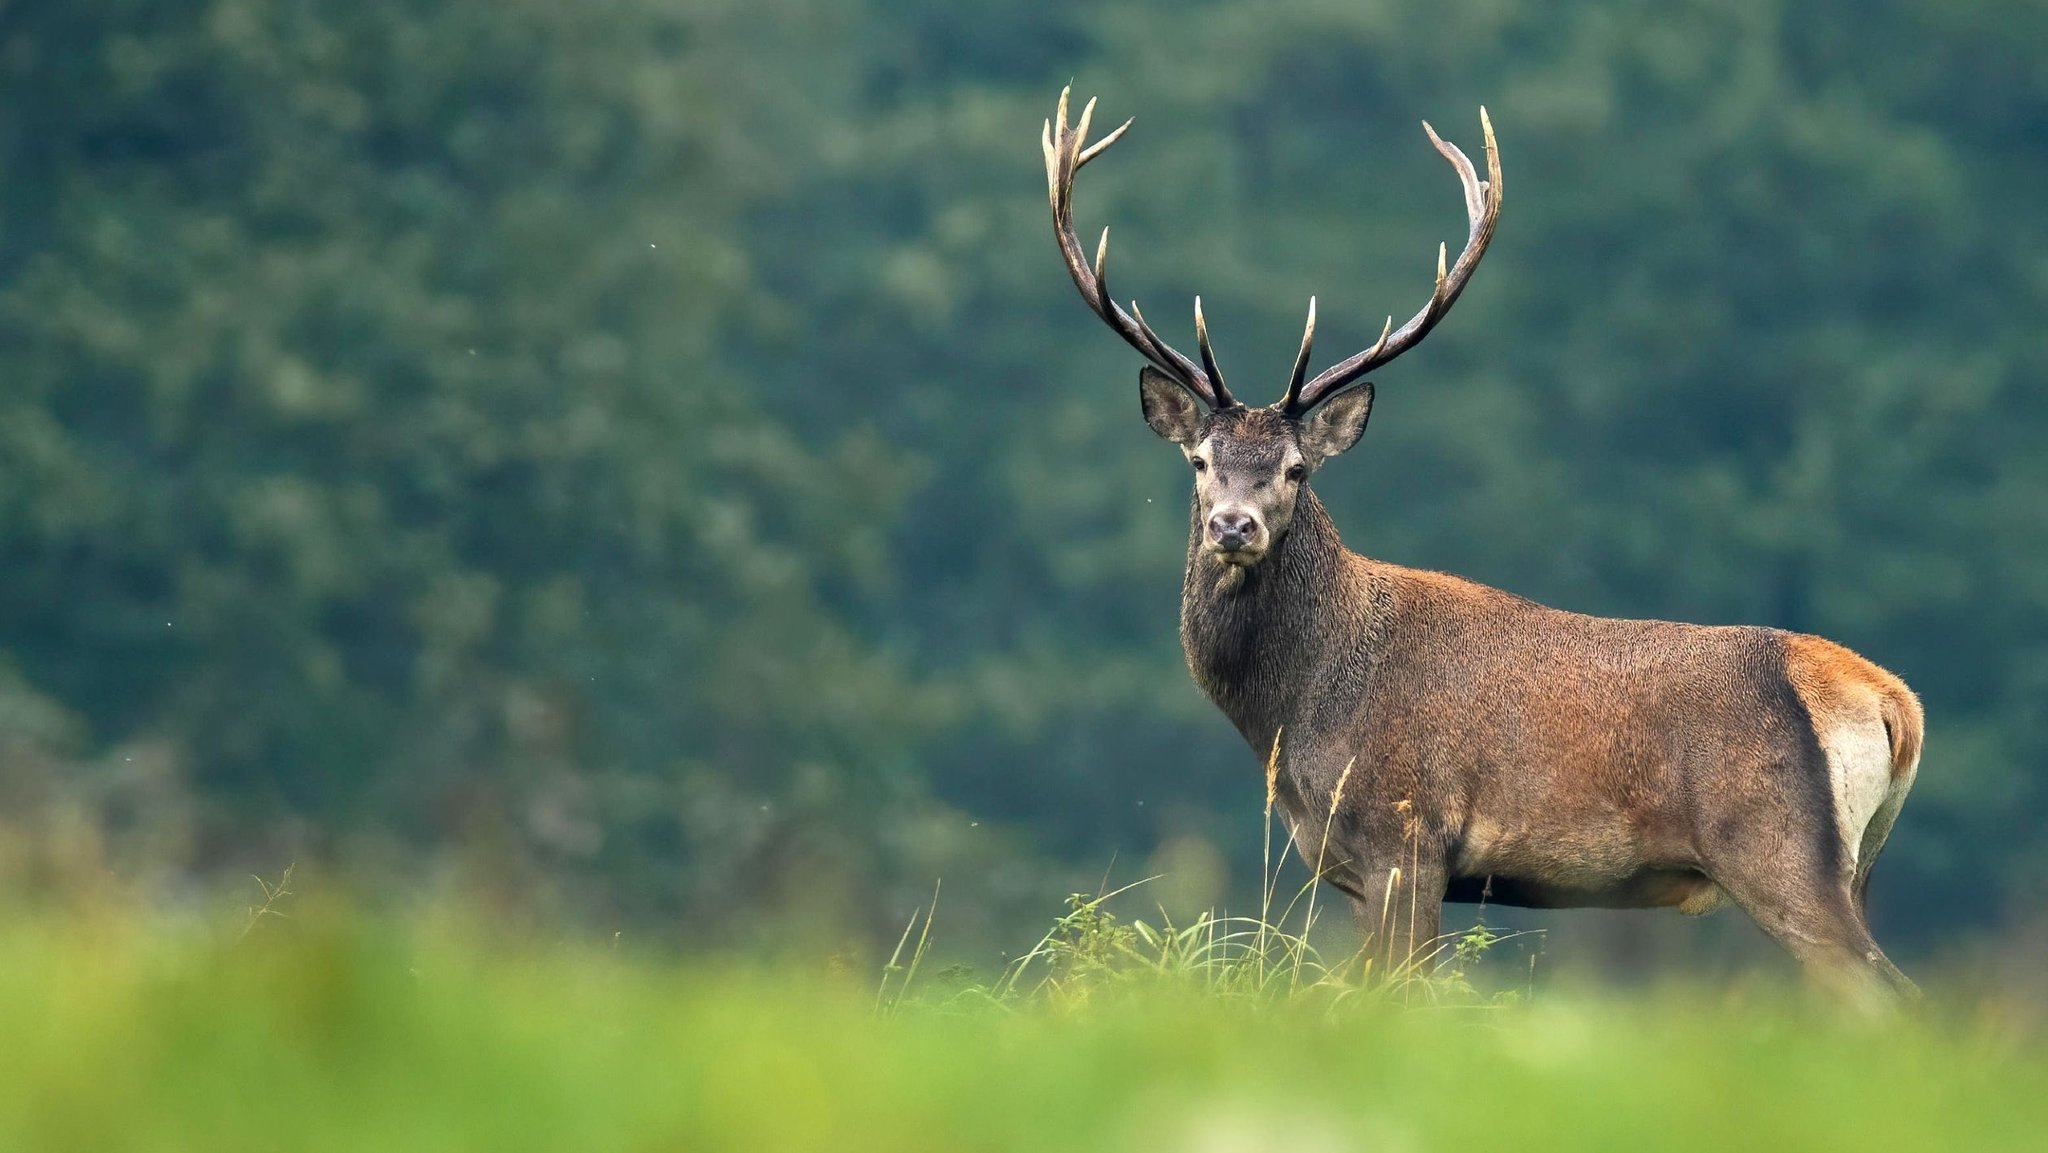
[{"x": 1237, "y": 534}]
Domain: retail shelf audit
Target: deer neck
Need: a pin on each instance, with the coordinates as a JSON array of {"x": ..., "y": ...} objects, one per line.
[{"x": 1252, "y": 634}]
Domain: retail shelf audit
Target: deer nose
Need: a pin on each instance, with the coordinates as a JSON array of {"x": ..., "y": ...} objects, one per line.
[{"x": 1232, "y": 529}]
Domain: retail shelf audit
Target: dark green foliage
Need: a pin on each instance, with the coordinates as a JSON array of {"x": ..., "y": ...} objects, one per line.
[
  {"x": 368, "y": 444},
  {"x": 654, "y": 446}
]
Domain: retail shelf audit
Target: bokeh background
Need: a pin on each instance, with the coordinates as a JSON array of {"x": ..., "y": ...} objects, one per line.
[{"x": 640, "y": 465}]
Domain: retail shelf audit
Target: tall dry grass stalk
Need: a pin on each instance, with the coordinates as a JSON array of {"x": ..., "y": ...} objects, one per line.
[
  {"x": 906, "y": 975},
  {"x": 1386, "y": 934},
  {"x": 1322, "y": 849},
  {"x": 1267, "y": 877},
  {"x": 1411, "y": 832}
]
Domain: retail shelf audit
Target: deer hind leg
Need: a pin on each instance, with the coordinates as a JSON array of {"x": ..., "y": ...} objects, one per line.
[
  {"x": 1866, "y": 728},
  {"x": 1868, "y": 790},
  {"x": 1798, "y": 891}
]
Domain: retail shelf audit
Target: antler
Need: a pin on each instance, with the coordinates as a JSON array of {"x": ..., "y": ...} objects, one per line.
[
  {"x": 1066, "y": 150},
  {"x": 1482, "y": 208}
]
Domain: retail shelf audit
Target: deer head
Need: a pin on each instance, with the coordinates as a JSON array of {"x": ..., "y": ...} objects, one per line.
[{"x": 1251, "y": 463}]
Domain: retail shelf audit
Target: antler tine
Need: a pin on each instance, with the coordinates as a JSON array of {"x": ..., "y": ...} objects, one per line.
[
  {"x": 1159, "y": 350},
  {"x": 1475, "y": 188},
  {"x": 1152, "y": 347},
  {"x": 1493, "y": 181},
  {"x": 1482, "y": 211},
  {"x": 1066, "y": 150},
  {"x": 1386, "y": 330},
  {"x": 1096, "y": 149},
  {"x": 1052, "y": 166},
  {"x": 1308, "y": 340},
  {"x": 1223, "y": 397},
  {"x": 1148, "y": 341}
]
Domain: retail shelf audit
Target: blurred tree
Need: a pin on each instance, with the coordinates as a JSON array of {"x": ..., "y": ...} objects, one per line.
[
  {"x": 657, "y": 441},
  {"x": 366, "y": 436}
]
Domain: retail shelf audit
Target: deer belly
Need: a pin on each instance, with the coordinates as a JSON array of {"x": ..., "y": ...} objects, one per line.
[
  {"x": 1591, "y": 851},
  {"x": 1687, "y": 889}
]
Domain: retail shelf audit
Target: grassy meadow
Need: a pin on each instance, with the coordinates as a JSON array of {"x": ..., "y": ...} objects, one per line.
[{"x": 327, "y": 1030}]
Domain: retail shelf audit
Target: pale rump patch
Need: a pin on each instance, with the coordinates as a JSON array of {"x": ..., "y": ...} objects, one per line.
[
  {"x": 1880, "y": 826},
  {"x": 1869, "y": 727},
  {"x": 1860, "y": 776}
]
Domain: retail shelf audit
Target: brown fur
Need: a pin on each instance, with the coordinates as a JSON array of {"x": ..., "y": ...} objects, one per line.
[{"x": 1535, "y": 756}]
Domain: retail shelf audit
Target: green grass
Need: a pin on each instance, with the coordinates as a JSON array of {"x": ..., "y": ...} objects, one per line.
[{"x": 321, "y": 1031}]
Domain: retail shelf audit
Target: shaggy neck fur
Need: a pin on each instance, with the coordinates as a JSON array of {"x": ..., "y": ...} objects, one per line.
[{"x": 1253, "y": 634}]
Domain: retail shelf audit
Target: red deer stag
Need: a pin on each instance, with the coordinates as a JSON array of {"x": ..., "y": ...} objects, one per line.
[{"x": 1502, "y": 749}]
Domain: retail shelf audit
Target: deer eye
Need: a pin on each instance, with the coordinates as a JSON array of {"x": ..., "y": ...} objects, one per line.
[
  {"x": 1200, "y": 464},
  {"x": 1296, "y": 472}
]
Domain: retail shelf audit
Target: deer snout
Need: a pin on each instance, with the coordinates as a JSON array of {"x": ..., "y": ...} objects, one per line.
[{"x": 1233, "y": 529}]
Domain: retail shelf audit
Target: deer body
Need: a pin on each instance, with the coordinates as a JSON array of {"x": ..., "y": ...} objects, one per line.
[
  {"x": 1436, "y": 739},
  {"x": 1545, "y": 758}
]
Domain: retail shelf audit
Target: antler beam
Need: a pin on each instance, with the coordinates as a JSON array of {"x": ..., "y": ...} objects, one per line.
[{"x": 1066, "y": 150}]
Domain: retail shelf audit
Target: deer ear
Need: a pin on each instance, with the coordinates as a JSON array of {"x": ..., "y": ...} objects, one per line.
[
  {"x": 1338, "y": 424},
  {"x": 1169, "y": 408}
]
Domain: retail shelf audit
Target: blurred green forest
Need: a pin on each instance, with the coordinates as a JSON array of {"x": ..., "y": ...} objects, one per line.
[{"x": 644, "y": 459}]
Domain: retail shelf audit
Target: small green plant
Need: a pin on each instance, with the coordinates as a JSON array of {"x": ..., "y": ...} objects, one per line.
[{"x": 1091, "y": 951}]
